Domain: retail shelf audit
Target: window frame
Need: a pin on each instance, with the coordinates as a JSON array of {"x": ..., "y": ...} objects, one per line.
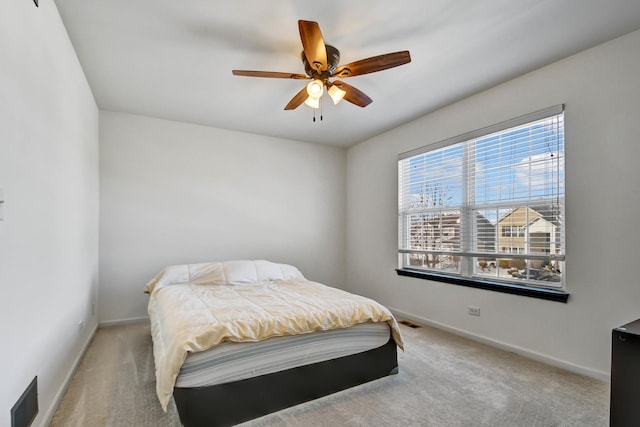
[{"x": 466, "y": 275}]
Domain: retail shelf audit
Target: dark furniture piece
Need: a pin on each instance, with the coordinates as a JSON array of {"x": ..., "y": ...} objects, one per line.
[
  {"x": 625, "y": 376},
  {"x": 235, "y": 402}
]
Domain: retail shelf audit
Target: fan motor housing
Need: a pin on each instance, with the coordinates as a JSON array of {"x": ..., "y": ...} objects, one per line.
[{"x": 333, "y": 58}]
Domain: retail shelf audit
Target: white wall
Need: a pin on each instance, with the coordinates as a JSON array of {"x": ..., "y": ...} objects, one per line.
[
  {"x": 49, "y": 236},
  {"x": 173, "y": 193},
  {"x": 601, "y": 90}
]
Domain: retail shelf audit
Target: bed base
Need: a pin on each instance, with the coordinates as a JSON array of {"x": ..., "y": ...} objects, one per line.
[{"x": 239, "y": 401}]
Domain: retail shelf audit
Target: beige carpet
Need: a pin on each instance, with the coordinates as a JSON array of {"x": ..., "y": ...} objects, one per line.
[{"x": 444, "y": 380}]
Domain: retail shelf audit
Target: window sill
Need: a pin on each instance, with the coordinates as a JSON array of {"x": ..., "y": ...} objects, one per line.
[{"x": 528, "y": 291}]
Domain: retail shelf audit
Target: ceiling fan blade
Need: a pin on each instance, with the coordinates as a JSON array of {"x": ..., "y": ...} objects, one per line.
[
  {"x": 373, "y": 64},
  {"x": 271, "y": 74},
  {"x": 353, "y": 95},
  {"x": 313, "y": 44},
  {"x": 297, "y": 100}
]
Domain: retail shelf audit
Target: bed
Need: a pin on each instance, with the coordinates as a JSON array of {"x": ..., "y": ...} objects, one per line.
[{"x": 236, "y": 340}]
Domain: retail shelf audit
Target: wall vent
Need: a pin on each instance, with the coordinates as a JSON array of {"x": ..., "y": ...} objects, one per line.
[
  {"x": 26, "y": 408},
  {"x": 409, "y": 324}
]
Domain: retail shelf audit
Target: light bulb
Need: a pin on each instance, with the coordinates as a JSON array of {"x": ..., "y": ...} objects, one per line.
[
  {"x": 336, "y": 93},
  {"x": 312, "y": 102},
  {"x": 315, "y": 89}
]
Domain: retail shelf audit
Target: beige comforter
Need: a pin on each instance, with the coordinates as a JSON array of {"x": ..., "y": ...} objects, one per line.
[{"x": 191, "y": 317}]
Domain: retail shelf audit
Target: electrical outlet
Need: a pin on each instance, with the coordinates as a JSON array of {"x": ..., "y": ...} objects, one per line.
[{"x": 474, "y": 311}]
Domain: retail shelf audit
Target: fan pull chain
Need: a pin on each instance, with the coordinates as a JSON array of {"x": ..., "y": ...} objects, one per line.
[{"x": 314, "y": 111}]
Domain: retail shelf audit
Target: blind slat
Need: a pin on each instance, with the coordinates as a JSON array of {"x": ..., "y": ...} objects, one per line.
[{"x": 527, "y": 118}]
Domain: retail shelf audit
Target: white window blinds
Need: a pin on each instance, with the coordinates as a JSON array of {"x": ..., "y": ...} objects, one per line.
[{"x": 488, "y": 204}]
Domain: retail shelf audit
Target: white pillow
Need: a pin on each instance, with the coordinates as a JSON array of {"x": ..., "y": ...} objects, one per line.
[
  {"x": 172, "y": 275},
  {"x": 239, "y": 272},
  {"x": 208, "y": 273}
]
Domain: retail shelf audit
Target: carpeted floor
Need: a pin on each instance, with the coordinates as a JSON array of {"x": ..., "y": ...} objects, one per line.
[{"x": 444, "y": 380}]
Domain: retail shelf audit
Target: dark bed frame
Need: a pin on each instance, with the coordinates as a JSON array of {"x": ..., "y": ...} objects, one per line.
[{"x": 236, "y": 402}]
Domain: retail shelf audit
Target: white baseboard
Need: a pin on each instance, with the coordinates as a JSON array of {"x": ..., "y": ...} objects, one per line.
[
  {"x": 48, "y": 416},
  {"x": 119, "y": 322},
  {"x": 593, "y": 373}
]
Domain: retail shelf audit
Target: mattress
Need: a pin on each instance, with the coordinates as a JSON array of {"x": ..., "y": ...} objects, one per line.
[{"x": 233, "y": 361}]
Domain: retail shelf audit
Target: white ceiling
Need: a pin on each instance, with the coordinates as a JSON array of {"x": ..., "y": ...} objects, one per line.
[{"x": 173, "y": 59}]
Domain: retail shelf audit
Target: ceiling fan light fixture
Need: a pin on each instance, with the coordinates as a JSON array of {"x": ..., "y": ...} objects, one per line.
[
  {"x": 336, "y": 93},
  {"x": 315, "y": 89},
  {"x": 320, "y": 62},
  {"x": 313, "y": 102}
]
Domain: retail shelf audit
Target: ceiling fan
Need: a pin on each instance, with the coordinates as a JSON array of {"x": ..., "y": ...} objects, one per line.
[{"x": 321, "y": 65}]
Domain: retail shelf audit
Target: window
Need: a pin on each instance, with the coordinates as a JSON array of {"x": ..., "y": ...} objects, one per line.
[
  {"x": 487, "y": 206},
  {"x": 510, "y": 250},
  {"x": 513, "y": 231}
]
